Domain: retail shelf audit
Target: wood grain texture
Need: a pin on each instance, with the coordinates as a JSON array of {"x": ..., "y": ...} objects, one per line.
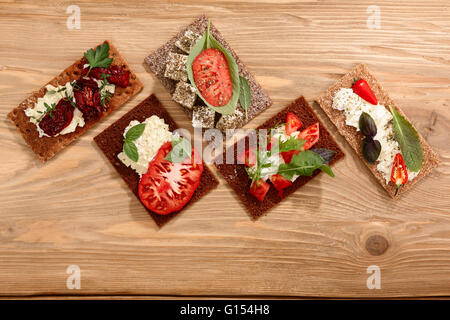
[{"x": 76, "y": 210}]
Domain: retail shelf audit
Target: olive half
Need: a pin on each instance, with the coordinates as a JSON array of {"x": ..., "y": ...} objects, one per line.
[
  {"x": 367, "y": 125},
  {"x": 371, "y": 149}
]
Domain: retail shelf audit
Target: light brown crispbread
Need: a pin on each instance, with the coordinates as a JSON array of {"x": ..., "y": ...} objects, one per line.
[
  {"x": 157, "y": 63},
  {"x": 354, "y": 138},
  {"x": 46, "y": 147}
]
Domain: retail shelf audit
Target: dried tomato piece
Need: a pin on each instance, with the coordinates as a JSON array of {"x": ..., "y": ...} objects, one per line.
[
  {"x": 58, "y": 118},
  {"x": 87, "y": 98},
  {"x": 117, "y": 75}
]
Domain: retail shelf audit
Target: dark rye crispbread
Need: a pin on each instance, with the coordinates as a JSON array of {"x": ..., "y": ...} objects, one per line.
[
  {"x": 110, "y": 141},
  {"x": 354, "y": 138},
  {"x": 237, "y": 177},
  {"x": 46, "y": 147},
  {"x": 157, "y": 63}
]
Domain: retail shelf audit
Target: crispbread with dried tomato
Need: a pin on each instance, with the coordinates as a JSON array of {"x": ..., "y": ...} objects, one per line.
[
  {"x": 46, "y": 147},
  {"x": 238, "y": 179},
  {"x": 354, "y": 138},
  {"x": 110, "y": 141}
]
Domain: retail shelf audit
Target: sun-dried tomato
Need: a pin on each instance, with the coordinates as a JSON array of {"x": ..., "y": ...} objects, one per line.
[
  {"x": 58, "y": 118},
  {"x": 87, "y": 98},
  {"x": 116, "y": 75}
]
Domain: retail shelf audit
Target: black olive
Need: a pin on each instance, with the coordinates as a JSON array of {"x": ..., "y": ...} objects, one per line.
[
  {"x": 367, "y": 125},
  {"x": 371, "y": 149}
]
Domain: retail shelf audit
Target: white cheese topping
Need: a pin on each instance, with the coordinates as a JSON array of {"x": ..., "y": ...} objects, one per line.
[
  {"x": 110, "y": 87},
  {"x": 276, "y": 159},
  {"x": 155, "y": 134},
  {"x": 52, "y": 96},
  {"x": 353, "y": 106}
]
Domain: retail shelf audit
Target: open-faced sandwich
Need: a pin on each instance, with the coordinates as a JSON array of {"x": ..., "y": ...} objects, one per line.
[
  {"x": 206, "y": 77},
  {"x": 161, "y": 168},
  {"x": 291, "y": 149},
  {"x": 72, "y": 102},
  {"x": 378, "y": 130}
]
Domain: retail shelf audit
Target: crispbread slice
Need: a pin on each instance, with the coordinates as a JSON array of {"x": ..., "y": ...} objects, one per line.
[
  {"x": 157, "y": 63},
  {"x": 46, "y": 147},
  {"x": 354, "y": 138},
  {"x": 238, "y": 179},
  {"x": 110, "y": 141}
]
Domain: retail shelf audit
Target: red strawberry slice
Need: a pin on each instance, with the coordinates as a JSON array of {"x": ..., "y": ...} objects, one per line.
[{"x": 212, "y": 77}]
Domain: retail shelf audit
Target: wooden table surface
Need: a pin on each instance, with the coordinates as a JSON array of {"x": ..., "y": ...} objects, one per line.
[{"x": 75, "y": 209}]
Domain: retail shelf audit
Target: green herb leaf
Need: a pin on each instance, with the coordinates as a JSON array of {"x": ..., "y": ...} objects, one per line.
[
  {"x": 130, "y": 150},
  {"x": 181, "y": 149},
  {"x": 135, "y": 132},
  {"x": 304, "y": 164},
  {"x": 99, "y": 57},
  {"x": 408, "y": 140},
  {"x": 292, "y": 143},
  {"x": 207, "y": 41},
  {"x": 245, "y": 98}
]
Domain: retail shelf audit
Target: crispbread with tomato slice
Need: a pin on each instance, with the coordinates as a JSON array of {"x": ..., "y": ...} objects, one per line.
[
  {"x": 46, "y": 147},
  {"x": 260, "y": 101},
  {"x": 238, "y": 179},
  {"x": 354, "y": 138},
  {"x": 110, "y": 141}
]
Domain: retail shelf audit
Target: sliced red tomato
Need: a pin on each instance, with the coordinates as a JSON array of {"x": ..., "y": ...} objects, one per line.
[
  {"x": 212, "y": 77},
  {"x": 168, "y": 186},
  {"x": 287, "y": 155},
  {"x": 293, "y": 123},
  {"x": 280, "y": 182},
  {"x": 259, "y": 189},
  {"x": 248, "y": 157},
  {"x": 310, "y": 135},
  {"x": 270, "y": 142}
]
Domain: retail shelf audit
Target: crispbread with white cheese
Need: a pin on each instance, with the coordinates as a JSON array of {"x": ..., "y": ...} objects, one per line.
[
  {"x": 354, "y": 137},
  {"x": 46, "y": 147},
  {"x": 110, "y": 141}
]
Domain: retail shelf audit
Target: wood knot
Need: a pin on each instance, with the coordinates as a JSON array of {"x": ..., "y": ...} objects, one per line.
[{"x": 376, "y": 245}]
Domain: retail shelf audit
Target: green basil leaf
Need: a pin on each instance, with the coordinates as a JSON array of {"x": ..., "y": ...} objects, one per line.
[
  {"x": 207, "y": 41},
  {"x": 408, "y": 140},
  {"x": 181, "y": 149},
  {"x": 135, "y": 132},
  {"x": 245, "y": 95},
  {"x": 304, "y": 164},
  {"x": 130, "y": 150}
]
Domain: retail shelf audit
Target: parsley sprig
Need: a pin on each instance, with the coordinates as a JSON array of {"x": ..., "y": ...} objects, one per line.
[
  {"x": 105, "y": 95},
  {"x": 48, "y": 108},
  {"x": 98, "y": 58}
]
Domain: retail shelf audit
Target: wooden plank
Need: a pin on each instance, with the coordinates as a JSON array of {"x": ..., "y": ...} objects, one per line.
[{"x": 75, "y": 210}]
